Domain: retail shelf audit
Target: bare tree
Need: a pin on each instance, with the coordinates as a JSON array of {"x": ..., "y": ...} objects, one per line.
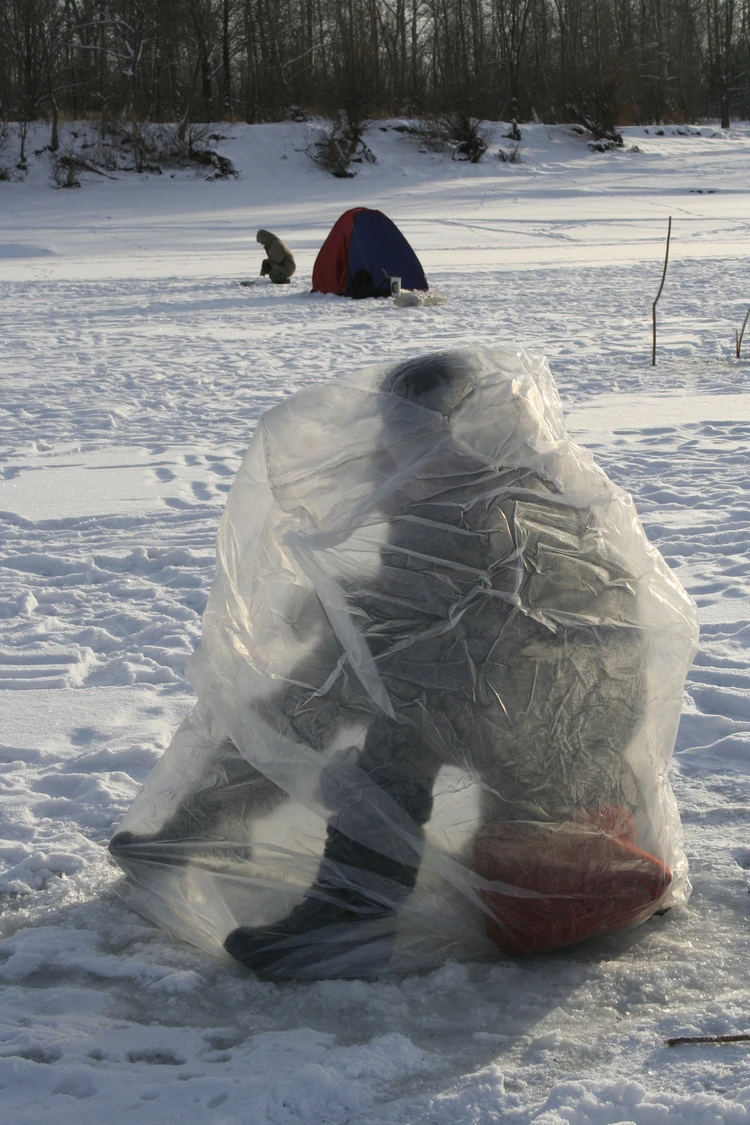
[{"x": 616, "y": 61}]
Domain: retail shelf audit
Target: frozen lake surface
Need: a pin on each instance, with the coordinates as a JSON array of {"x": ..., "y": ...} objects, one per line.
[{"x": 133, "y": 368}]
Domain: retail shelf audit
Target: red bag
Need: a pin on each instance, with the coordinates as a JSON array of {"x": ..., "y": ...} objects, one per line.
[{"x": 589, "y": 875}]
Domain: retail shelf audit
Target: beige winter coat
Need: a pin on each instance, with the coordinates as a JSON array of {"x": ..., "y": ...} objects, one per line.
[{"x": 277, "y": 252}]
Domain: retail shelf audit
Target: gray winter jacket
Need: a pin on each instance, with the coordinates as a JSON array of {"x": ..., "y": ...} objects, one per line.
[{"x": 278, "y": 253}]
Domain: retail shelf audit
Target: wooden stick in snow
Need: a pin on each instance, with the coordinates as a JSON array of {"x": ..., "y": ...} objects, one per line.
[
  {"x": 676, "y": 1042},
  {"x": 738, "y": 335},
  {"x": 658, "y": 295}
]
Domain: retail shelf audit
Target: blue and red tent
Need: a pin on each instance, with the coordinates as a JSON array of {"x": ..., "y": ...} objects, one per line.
[{"x": 364, "y": 249}]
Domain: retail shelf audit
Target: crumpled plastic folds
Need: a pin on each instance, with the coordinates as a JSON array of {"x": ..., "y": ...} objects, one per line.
[{"x": 438, "y": 689}]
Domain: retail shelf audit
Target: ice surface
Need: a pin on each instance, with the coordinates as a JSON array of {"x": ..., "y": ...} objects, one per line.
[
  {"x": 135, "y": 335},
  {"x": 102, "y": 482},
  {"x": 618, "y": 412}
]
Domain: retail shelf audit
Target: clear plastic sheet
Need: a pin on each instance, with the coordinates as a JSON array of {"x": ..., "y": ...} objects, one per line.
[{"x": 438, "y": 689}]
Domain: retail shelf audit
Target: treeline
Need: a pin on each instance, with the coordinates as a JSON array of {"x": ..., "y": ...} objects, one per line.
[{"x": 616, "y": 61}]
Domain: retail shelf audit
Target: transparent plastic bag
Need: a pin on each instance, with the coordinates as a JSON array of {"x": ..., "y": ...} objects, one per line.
[{"x": 438, "y": 689}]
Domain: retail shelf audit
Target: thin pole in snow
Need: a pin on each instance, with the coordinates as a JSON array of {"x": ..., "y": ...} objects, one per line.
[
  {"x": 738, "y": 335},
  {"x": 658, "y": 295}
]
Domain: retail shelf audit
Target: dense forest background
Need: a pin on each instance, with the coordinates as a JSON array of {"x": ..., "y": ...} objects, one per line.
[{"x": 619, "y": 61}]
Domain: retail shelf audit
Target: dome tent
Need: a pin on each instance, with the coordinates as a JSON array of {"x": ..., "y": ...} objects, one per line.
[{"x": 363, "y": 250}]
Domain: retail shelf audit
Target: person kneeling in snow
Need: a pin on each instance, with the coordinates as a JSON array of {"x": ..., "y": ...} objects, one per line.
[
  {"x": 418, "y": 571},
  {"x": 279, "y": 263},
  {"x": 453, "y": 619}
]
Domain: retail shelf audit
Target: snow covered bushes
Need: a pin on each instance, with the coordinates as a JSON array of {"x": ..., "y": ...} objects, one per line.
[
  {"x": 456, "y": 131},
  {"x": 137, "y": 147},
  {"x": 340, "y": 143}
]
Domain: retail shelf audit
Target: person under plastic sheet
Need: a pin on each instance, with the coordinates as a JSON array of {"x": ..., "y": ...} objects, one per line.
[{"x": 501, "y": 629}]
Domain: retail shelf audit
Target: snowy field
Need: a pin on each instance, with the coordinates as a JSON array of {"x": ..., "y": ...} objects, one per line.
[{"x": 133, "y": 368}]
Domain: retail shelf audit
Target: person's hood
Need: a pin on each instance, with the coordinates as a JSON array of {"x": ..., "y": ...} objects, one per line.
[{"x": 264, "y": 237}]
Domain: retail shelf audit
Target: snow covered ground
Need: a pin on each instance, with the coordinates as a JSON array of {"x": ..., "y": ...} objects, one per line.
[{"x": 133, "y": 368}]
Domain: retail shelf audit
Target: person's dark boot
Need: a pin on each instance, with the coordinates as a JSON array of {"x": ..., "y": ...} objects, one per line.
[
  {"x": 346, "y": 924},
  {"x": 335, "y": 931}
]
